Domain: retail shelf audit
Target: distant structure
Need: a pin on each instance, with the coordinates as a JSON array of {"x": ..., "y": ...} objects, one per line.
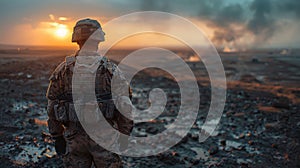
[{"x": 285, "y": 52}]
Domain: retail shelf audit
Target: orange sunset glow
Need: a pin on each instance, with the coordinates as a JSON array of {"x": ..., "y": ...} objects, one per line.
[
  {"x": 149, "y": 83},
  {"x": 61, "y": 31},
  {"x": 57, "y": 31},
  {"x": 53, "y": 25}
]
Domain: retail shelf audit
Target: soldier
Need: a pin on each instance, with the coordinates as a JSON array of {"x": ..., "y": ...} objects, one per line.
[{"x": 72, "y": 143}]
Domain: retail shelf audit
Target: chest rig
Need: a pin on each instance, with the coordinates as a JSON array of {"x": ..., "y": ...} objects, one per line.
[{"x": 65, "y": 110}]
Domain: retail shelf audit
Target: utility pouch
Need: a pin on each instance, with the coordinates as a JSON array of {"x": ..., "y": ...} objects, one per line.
[
  {"x": 61, "y": 113},
  {"x": 72, "y": 113},
  {"x": 70, "y": 134},
  {"x": 90, "y": 113}
]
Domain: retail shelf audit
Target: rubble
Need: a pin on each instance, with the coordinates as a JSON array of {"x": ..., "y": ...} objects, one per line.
[{"x": 259, "y": 126}]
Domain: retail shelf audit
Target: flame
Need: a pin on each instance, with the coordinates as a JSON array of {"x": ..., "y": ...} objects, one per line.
[
  {"x": 194, "y": 58},
  {"x": 40, "y": 122},
  {"x": 229, "y": 49}
]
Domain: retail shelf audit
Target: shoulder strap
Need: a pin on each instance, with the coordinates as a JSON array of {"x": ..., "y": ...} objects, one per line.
[{"x": 70, "y": 60}]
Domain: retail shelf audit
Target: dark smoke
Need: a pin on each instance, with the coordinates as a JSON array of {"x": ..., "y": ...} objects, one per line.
[
  {"x": 232, "y": 21},
  {"x": 230, "y": 14},
  {"x": 262, "y": 25},
  {"x": 225, "y": 32},
  {"x": 155, "y": 5},
  {"x": 289, "y": 7}
]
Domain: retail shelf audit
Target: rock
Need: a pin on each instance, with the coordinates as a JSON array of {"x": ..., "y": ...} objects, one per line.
[
  {"x": 175, "y": 154},
  {"x": 152, "y": 130},
  {"x": 239, "y": 114},
  {"x": 255, "y": 60},
  {"x": 282, "y": 104},
  {"x": 228, "y": 113},
  {"x": 195, "y": 162},
  {"x": 248, "y": 78},
  {"x": 274, "y": 145},
  {"x": 269, "y": 109},
  {"x": 195, "y": 137},
  {"x": 213, "y": 150},
  {"x": 184, "y": 139},
  {"x": 255, "y": 111},
  {"x": 31, "y": 121},
  {"x": 223, "y": 142},
  {"x": 242, "y": 135},
  {"x": 272, "y": 125},
  {"x": 201, "y": 153},
  {"x": 250, "y": 142},
  {"x": 29, "y": 76},
  {"x": 168, "y": 158},
  {"x": 243, "y": 161},
  {"x": 233, "y": 144}
]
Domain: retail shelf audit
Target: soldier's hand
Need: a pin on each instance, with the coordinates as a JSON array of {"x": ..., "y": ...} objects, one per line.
[{"x": 60, "y": 145}]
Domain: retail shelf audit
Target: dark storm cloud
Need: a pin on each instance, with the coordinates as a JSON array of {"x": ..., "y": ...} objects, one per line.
[
  {"x": 219, "y": 15},
  {"x": 289, "y": 6},
  {"x": 151, "y": 5},
  {"x": 200, "y": 8},
  {"x": 257, "y": 17},
  {"x": 262, "y": 23},
  {"x": 230, "y": 14},
  {"x": 223, "y": 20}
]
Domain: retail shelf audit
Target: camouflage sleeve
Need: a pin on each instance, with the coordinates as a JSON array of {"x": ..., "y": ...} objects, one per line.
[
  {"x": 125, "y": 125},
  {"x": 121, "y": 83},
  {"x": 54, "y": 90}
]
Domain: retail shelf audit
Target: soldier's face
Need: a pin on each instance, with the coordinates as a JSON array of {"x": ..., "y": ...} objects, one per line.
[{"x": 102, "y": 36}]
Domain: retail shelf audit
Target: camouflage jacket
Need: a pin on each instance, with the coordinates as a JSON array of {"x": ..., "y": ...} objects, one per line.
[{"x": 60, "y": 90}]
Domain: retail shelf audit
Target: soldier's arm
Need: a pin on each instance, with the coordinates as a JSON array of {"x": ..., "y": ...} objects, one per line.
[
  {"x": 55, "y": 127},
  {"x": 123, "y": 89}
]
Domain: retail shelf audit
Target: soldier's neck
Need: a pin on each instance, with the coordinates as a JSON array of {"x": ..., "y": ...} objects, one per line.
[{"x": 88, "y": 46}]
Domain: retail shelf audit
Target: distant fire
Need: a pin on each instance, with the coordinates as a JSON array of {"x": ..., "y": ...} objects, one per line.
[
  {"x": 229, "y": 49},
  {"x": 194, "y": 58}
]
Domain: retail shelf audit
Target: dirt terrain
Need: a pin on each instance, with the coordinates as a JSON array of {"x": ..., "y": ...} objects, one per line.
[{"x": 260, "y": 125}]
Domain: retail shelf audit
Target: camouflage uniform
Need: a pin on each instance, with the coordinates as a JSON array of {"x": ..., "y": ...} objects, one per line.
[{"x": 81, "y": 150}]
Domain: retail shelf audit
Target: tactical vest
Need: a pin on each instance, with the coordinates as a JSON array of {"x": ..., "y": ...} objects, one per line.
[{"x": 65, "y": 111}]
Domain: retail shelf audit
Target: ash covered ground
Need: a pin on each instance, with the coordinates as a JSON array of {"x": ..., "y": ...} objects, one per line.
[{"x": 260, "y": 125}]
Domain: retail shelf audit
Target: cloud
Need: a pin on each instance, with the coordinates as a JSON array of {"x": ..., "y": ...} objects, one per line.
[
  {"x": 151, "y": 5},
  {"x": 227, "y": 25},
  {"x": 262, "y": 24},
  {"x": 51, "y": 16},
  {"x": 62, "y": 18},
  {"x": 289, "y": 6},
  {"x": 232, "y": 22},
  {"x": 233, "y": 13}
]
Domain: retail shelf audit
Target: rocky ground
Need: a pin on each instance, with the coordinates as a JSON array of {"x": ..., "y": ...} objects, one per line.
[{"x": 260, "y": 125}]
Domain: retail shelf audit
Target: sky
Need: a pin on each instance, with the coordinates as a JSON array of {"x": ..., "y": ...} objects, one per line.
[{"x": 234, "y": 24}]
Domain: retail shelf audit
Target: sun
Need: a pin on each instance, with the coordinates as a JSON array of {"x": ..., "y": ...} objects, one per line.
[{"x": 61, "y": 31}]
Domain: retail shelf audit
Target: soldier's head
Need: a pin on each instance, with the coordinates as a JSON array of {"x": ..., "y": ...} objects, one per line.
[{"x": 84, "y": 29}]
